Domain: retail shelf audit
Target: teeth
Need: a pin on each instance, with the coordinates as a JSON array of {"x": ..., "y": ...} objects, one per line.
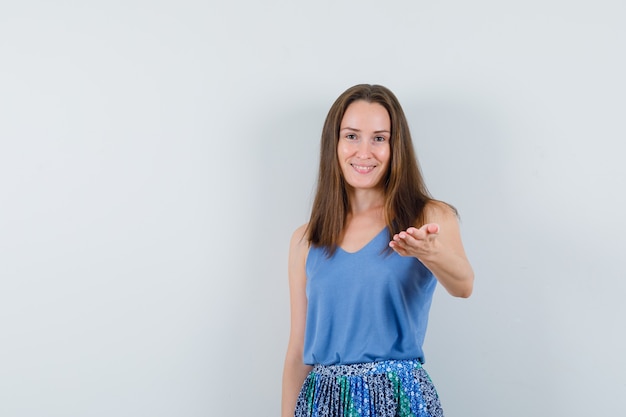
[{"x": 363, "y": 168}]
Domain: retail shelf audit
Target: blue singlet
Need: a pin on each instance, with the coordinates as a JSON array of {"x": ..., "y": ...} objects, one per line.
[{"x": 366, "y": 306}]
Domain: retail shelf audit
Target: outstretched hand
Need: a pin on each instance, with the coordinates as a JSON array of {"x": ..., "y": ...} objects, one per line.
[{"x": 419, "y": 243}]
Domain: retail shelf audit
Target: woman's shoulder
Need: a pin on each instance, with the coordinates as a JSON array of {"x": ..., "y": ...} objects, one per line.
[
  {"x": 300, "y": 232},
  {"x": 299, "y": 237},
  {"x": 436, "y": 211},
  {"x": 299, "y": 246}
]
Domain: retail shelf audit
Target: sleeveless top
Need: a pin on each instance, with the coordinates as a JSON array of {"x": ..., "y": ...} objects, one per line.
[{"x": 365, "y": 306}]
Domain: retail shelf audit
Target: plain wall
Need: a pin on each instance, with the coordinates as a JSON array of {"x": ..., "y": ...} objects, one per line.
[{"x": 155, "y": 157}]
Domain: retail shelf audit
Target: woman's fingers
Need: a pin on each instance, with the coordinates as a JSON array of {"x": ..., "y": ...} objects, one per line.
[
  {"x": 414, "y": 241},
  {"x": 423, "y": 232}
]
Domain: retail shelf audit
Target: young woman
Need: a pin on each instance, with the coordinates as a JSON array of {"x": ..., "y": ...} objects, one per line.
[{"x": 363, "y": 270}]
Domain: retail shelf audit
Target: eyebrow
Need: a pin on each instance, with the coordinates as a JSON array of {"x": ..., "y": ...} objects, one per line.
[{"x": 357, "y": 130}]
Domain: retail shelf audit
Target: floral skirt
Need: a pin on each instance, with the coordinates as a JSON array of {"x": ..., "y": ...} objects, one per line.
[{"x": 395, "y": 388}]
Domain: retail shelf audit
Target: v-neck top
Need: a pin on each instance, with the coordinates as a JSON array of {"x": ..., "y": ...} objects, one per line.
[{"x": 365, "y": 306}]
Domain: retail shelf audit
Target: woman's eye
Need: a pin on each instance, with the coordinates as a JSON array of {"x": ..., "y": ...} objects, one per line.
[
  {"x": 379, "y": 139},
  {"x": 351, "y": 136}
]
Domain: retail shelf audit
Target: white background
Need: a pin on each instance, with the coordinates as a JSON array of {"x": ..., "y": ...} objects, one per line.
[{"x": 156, "y": 156}]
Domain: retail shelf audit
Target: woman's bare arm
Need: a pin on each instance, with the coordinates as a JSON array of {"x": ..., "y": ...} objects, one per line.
[
  {"x": 437, "y": 244},
  {"x": 295, "y": 371}
]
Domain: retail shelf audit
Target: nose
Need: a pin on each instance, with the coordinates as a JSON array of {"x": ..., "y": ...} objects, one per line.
[{"x": 364, "y": 149}]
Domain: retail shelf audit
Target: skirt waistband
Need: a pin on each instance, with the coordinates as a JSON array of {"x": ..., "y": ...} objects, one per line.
[{"x": 368, "y": 368}]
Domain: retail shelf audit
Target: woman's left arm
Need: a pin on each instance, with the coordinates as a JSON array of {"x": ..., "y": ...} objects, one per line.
[{"x": 437, "y": 244}]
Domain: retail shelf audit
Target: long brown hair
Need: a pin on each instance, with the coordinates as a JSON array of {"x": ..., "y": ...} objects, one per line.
[{"x": 406, "y": 194}]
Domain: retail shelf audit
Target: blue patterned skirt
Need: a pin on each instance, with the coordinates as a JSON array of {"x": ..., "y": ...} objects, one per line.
[{"x": 396, "y": 388}]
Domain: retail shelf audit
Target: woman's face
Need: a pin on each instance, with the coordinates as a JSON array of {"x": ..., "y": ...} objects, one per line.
[{"x": 363, "y": 149}]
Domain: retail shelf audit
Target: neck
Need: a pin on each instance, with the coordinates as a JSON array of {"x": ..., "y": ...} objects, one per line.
[{"x": 366, "y": 200}]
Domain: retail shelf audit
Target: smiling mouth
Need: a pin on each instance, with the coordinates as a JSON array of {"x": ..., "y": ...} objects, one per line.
[{"x": 363, "y": 169}]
